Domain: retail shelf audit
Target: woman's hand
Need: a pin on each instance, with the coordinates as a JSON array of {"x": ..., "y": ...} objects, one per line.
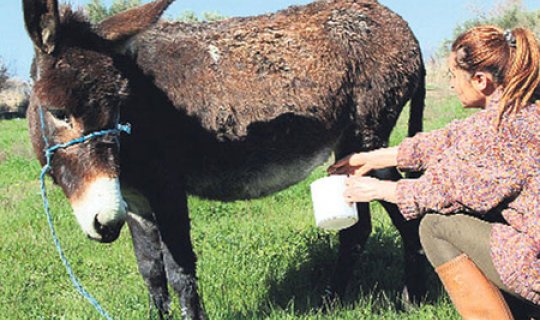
[
  {"x": 366, "y": 189},
  {"x": 359, "y": 164}
]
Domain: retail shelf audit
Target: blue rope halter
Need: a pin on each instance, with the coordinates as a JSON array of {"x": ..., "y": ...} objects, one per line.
[{"x": 49, "y": 152}]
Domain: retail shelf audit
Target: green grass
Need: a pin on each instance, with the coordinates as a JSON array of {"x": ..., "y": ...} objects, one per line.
[{"x": 261, "y": 259}]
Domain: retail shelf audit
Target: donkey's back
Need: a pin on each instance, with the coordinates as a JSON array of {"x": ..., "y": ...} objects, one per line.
[
  {"x": 322, "y": 61},
  {"x": 272, "y": 96}
]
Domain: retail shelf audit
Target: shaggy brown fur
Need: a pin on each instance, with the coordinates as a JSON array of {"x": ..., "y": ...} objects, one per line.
[
  {"x": 299, "y": 61},
  {"x": 131, "y": 22},
  {"x": 236, "y": 109}
]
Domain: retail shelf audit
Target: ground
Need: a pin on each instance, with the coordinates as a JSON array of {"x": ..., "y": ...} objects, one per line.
[{"x": 260, "y": 259}]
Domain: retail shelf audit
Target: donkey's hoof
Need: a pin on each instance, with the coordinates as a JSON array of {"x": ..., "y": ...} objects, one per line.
[
  {"x": 330, "y": 301},
  {"x": 411, "y": 299}
]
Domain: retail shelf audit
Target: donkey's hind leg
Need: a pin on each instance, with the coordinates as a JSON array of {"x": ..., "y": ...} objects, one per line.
[
  {"x": 351, "y": 240},
  {"x": 414, "y": 275},
  {"x": 147, "y": 245},
  {"x": 351, "y": 245}
]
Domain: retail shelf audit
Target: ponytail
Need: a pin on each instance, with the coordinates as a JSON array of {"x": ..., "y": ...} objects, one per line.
[
  {"x": 522, "y": 79},
  {"x": 512, "y": 57}
]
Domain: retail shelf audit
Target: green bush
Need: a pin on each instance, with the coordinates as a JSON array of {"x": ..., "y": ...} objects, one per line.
[
  {"x": 507, "y": 15},
  {"x": 98, "y": 11},
  {"x": 191, "y": 17},
  {"x": 4, "y": 75}
]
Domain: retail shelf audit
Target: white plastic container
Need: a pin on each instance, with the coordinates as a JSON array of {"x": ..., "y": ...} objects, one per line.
[{"x": 331, "y": 210}]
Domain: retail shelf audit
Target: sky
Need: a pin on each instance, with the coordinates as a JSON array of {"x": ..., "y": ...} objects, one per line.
[{"x": 432, "y": 21}]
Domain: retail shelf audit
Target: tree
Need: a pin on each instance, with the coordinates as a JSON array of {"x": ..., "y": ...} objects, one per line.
[
  {"x": 97, "y": 11},
  {"x": 190, "y": 17},
  {"x": 122, "y": 5},
  {"x": 507, "y": 14},
  {"x": 4, "y": 75},
  {"x": 213, "y": 16}
]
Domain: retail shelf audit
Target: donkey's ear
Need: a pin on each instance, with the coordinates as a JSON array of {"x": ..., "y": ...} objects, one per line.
[
  {"x": 42, "y": 22},
  {"x": 130, "y": 22}
]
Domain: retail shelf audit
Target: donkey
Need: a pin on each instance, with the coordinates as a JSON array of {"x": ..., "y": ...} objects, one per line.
[{"x": 236, "y": 109}]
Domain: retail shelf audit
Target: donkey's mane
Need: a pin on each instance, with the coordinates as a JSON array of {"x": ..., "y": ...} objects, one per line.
[{"x": 77, "y": 30}]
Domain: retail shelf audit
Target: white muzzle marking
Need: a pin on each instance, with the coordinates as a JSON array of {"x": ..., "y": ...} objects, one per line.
[{"x": 102, "y": 200}]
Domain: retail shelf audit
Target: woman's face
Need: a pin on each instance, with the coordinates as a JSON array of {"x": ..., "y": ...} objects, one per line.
[{"x": 462, "y": 83}]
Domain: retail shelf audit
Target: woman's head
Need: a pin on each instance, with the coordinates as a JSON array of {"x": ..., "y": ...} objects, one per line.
[{"x": 487, "y": 57}]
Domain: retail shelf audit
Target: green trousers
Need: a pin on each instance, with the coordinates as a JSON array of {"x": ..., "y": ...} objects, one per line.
[{"x": 444, "y": 237}]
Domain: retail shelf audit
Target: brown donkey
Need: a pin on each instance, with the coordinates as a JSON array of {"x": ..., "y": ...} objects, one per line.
[{"x": 230, "y": 110}]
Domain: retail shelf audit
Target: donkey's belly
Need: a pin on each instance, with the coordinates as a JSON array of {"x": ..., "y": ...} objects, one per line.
[{"x": 259, "y": 175}]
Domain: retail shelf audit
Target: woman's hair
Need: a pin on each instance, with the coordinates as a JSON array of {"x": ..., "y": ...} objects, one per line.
[{"x": 512, "y": 57}]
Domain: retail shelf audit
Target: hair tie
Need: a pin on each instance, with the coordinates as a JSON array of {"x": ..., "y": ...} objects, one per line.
[{"x": 510, "y": 38}]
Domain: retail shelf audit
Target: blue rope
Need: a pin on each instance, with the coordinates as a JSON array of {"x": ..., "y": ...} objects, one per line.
[{"x": 49, "y": 152}]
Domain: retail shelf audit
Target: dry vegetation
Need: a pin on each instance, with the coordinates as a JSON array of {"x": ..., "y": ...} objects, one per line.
[
  {"x": 4, "y": 76},
  {"x": 14, "y": 99},
  {"x": 507, "y": 14},
  {"x": 13, "y": 94}
]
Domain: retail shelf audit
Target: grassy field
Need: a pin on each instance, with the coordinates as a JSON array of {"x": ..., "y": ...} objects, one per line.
[{"x": 261, "y": 259}]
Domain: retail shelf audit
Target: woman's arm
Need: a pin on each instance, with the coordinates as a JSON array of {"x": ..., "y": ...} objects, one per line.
[
  {"x": 366, "y": 189},
  {"x": 413, "y": 154},
  {"x": 361, "y": 163},
  {"x": 455, "y": 187},
  {"x": 458, "y": 186}
]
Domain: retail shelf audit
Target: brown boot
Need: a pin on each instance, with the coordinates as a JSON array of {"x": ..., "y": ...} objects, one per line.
[{"x": 473, "y": 295}]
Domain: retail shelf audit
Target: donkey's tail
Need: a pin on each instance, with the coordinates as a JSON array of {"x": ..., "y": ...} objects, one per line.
[{"x": 418, "y": 103}]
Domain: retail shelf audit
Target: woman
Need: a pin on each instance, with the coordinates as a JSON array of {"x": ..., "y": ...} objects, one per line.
[{"x": 485, "y": 165}]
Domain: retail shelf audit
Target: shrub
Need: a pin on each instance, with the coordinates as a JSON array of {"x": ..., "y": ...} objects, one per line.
[
  {"x": 97, "y": 11},
  {"x": 4, "y": 75},
  {"x": 190, "y": 17},
  {"x": 507, "y": 14}
]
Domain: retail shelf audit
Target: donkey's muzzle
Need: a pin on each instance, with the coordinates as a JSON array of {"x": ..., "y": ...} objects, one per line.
[{"x": 107, "y": 233}]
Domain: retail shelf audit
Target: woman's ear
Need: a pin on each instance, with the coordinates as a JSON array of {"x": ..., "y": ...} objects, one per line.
[{"x": 483, "y": 82}]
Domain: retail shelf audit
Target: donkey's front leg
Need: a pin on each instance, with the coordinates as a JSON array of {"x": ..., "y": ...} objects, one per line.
[
  {"x": 414, "y": 274},
  {"x": 170, "y": 207},
  {"x": 147, "y": 245}
]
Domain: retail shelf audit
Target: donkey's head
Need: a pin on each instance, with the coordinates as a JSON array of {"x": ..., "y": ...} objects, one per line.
[{"x": 79, "y": 88}]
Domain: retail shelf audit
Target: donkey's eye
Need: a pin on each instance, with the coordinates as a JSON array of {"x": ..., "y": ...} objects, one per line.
[{"x": 60, "y": 114}]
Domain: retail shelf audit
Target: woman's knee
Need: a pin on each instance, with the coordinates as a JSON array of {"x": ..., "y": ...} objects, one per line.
[
  {"x": 433, "y": 238},
  {"x": 429, "y": 228}
]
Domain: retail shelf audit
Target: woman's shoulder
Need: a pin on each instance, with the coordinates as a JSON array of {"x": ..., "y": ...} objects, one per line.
[
  {"x": 528, "y": 119},
  {"x": 524, "y": 129},
  {"x": 533, "y": 107}
]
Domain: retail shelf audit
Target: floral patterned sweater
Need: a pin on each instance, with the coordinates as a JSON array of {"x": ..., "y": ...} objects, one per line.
[{"x": 473, "y": 166}]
